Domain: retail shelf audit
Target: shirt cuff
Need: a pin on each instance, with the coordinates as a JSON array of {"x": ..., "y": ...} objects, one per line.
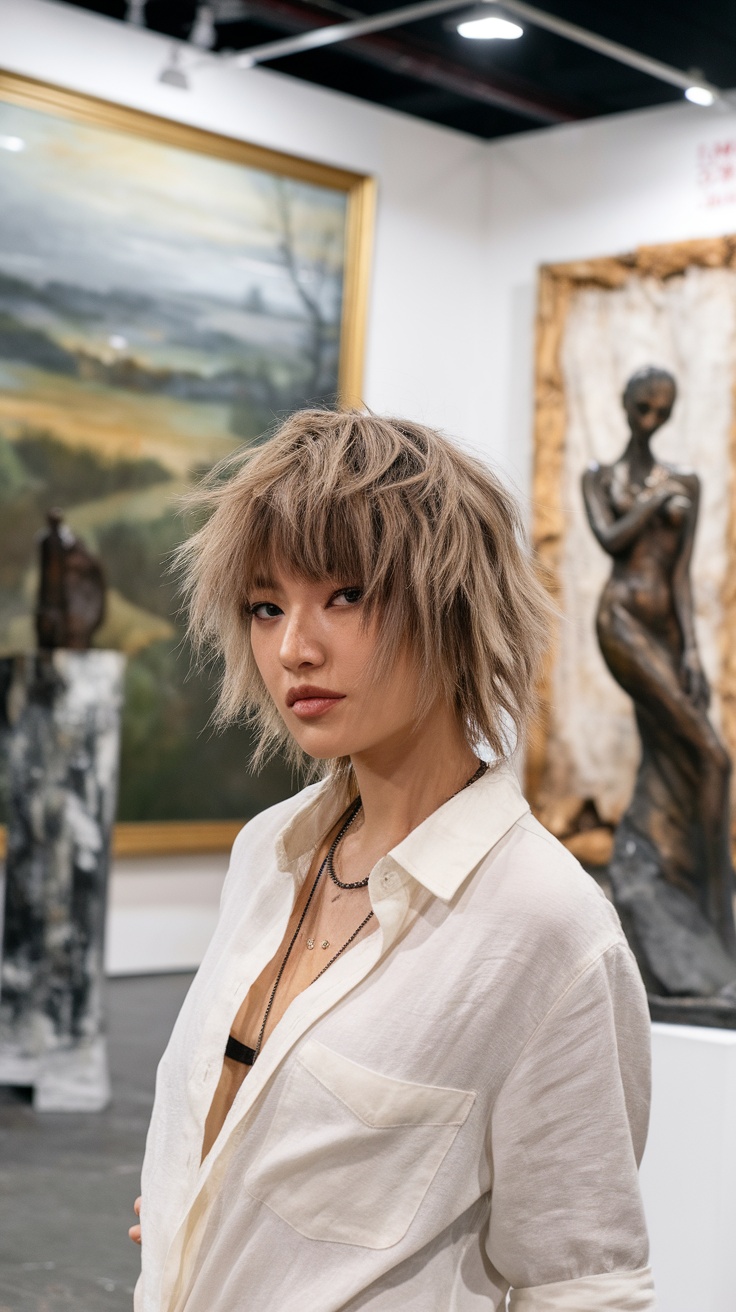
[{"x": 621, "y": 1291}]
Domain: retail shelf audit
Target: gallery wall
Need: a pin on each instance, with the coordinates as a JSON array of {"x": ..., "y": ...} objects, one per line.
[{"x": 584, "y": 190}]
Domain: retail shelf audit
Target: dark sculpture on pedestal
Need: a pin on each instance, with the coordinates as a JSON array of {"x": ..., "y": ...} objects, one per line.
[
  {"x": 71, "y": 593},
  {"x": 671, "y": 872}
]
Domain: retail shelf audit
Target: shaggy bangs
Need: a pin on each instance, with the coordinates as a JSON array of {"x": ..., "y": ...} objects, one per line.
[
  {"x": 427, "y": 532},
  {"x": 303, "y": 534}
]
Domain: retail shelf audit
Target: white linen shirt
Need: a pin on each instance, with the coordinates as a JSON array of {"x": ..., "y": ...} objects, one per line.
[{"x": 455, "y": 1109}]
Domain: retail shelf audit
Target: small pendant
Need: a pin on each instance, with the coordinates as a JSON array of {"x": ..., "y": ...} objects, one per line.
[
  {"x": 325, "y": 943},
  {"x": 310, "y": 943}
]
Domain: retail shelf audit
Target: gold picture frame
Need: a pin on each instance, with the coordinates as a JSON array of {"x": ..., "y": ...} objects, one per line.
[
  {"x": 360, "y": 189},
  {"x": 159, "y": 837},
  {"x": 557, "y": 283}
]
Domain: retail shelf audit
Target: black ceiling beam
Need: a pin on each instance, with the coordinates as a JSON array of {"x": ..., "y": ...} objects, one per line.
[{"x": 410, "y": 60}]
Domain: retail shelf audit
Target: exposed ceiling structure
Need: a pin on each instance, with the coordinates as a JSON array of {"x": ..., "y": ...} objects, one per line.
[{"x": 489, "y": 88}]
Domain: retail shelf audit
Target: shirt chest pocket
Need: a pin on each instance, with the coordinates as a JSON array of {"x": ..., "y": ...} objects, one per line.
[{"x": 350, "y": 1154}]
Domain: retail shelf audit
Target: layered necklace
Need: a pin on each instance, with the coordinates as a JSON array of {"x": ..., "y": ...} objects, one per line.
[{"x": 240, "y": 1052}]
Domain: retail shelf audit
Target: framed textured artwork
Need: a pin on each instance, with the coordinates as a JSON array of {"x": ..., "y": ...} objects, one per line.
[
  {"x": 599, "y": 321},
  {"x": 166, "y": 295}
]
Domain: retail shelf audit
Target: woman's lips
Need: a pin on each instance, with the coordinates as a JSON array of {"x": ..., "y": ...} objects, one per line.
[{"x": 308, "y": 708}]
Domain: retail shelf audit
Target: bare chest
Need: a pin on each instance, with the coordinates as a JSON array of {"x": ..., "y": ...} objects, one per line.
[
  {"x": 329, "y": 927},
  {"x": 325, "y": 922}
]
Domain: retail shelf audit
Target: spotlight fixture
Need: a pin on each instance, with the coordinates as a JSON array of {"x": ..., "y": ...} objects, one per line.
[
  {"x": 173, "y": 74},
  {"x": 700, "y": 96},
  {"x": 203, "y": 33},
  {"x": 699, "y": 91},
  {"x": 482, "y": 26},
  {"x": 14, "y": 144}
]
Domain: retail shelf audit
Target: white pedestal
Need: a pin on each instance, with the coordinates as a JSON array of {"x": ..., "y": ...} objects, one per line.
[
  {"x": 688, "y": 1175},
  {"x": 61, "y": 720}
]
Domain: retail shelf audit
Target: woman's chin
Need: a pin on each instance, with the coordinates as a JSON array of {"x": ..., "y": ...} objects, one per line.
[{"x": 323, "y": 746}]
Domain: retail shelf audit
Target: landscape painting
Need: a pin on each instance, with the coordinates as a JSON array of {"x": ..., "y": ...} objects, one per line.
[{"x": 163, "y": 301}]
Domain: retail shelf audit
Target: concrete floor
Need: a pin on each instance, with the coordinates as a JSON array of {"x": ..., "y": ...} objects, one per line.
[{"x": 67, "y": 1183}]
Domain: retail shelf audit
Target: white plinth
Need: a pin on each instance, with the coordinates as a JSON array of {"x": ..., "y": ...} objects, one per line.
[{"x": 688, "y": 1175}]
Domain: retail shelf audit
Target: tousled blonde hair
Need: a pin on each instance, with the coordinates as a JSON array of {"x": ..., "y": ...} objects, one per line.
[{"x": 428, "y": 532}]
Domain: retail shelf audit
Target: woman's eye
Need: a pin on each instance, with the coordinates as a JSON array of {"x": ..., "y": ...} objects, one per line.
[
  {"x": 347, "y": 596},
  {"x": 264, "y": 610}
]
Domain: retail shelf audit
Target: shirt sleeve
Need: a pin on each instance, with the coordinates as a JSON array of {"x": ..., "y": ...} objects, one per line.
[
  {"x": 626, "y": 1291},
  {"x": 568, "y": 1130}
]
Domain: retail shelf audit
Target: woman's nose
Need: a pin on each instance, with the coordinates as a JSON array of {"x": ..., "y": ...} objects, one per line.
[{"x": 299, "y": 644}]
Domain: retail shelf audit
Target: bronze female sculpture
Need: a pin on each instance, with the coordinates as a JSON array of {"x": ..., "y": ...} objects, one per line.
[{"x": 671, "y": 870}]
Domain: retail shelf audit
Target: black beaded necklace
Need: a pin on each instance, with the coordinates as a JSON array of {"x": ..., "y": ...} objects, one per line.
[
  {"x": 355, "y": 809},
  {"x": 359, "y": 883},
  {"x": 240, "y": 1052}
]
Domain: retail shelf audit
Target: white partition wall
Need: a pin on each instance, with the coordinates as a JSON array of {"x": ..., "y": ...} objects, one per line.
[
  {"x": 582, "y": 190},
  {"x": 689, "y": 1170},
  {"x": 162, "y": 912}
]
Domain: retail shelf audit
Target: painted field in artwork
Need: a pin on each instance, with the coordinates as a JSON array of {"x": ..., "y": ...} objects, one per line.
[{"x": 158, "y": 308}]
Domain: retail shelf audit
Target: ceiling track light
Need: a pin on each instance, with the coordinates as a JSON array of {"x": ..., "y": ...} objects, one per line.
[
  {"x": 500, "y": 27},
  {"x": 172, "y": 74},
  {"x": 700, "y": 96},
  {"x": 203, "y": 32},
  {"x": 699, "y": 93},
  {"x": 479, "y": 25},
  {"x": 703, "y": 92}
]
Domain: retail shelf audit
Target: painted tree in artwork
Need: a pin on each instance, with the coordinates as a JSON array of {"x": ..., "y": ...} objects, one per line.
[{"x": 312, "y": 256}]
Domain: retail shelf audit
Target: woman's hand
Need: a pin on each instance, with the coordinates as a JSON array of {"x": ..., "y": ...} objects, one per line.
[
  {"x": 135, "y": 1230},
  {"x": 693, "y": 678}
]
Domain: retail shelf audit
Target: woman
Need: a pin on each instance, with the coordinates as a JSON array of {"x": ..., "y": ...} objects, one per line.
[
  {"x": 412, "y": 1071},
  {"x": 675, "y": 836}
]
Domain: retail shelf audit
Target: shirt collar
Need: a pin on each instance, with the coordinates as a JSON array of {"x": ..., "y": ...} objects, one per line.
[
  {"x": 321, "y": 805},
  {"x": 442, "y": 851}
]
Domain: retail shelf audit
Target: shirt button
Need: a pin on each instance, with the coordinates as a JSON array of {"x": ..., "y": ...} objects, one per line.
[{"x": 389, "y": 881}]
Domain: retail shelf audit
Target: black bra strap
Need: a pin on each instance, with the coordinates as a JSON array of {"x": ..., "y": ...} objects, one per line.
[{"x": 237, "y": 1051}]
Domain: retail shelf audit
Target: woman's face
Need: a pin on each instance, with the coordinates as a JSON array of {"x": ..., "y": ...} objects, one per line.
[{"x": 314, "y": 653}]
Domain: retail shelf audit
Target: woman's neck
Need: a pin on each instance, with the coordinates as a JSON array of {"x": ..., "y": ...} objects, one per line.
[{"x": 403, "y": 782}]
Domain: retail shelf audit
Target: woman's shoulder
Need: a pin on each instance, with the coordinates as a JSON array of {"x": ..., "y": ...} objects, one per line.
[
  {"x": 256, "y": 845},
  {"x": 555, "y": 903},
  {"x": 274, "y": 817},
  {"x": 266, "y": 825}
]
